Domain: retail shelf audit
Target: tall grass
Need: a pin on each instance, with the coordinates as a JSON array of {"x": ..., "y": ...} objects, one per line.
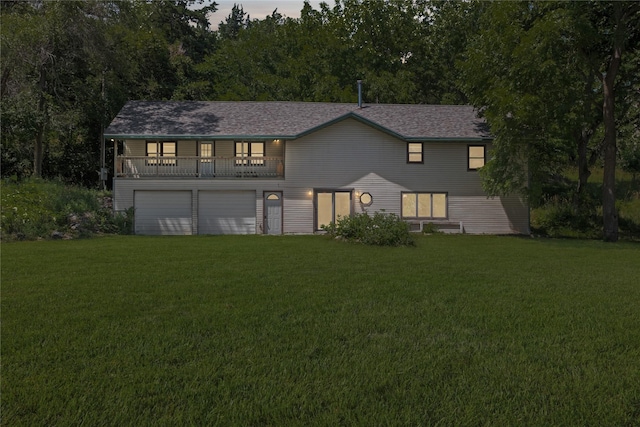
[
  {"x": 559, "y": 216},
  {"x": 34, "y": 209},
  {"x": 303, "y": 330}
]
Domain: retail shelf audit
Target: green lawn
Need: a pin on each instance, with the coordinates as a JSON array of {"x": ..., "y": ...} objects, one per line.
[{"x": 302, "y": 330}]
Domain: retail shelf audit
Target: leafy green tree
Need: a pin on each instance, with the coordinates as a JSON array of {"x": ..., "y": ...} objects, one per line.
[
  {"x": 48, "y": 50},
  {"x": 447, "y": 29},
  {"x": 68, "y": 67},
  {"x": 617, "y": 27},
  {"x": 537, "y": 71},
  {"x": 236, "y": 21}
]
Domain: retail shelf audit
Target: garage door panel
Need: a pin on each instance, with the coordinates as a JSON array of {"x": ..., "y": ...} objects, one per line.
[
  {"x": 227, "y": 212},
  {"x": 163, "y": 212}
]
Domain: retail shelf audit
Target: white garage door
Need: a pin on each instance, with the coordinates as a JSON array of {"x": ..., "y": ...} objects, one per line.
[
  {"x": 162, "y": 212},
  {"x": 226, "y": 212}
]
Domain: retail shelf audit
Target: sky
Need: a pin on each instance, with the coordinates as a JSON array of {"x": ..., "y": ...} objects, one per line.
[{"x": 259, "y": 9}]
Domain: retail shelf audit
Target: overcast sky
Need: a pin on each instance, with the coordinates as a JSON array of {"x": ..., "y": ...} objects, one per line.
[{"x": 259, "y": 9}]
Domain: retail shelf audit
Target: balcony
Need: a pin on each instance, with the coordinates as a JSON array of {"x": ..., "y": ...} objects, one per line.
[{"x": 199, "y": 167}]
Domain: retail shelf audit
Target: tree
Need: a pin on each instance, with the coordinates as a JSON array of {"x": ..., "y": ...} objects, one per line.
[
  {"x": 236, "y": 21},
  {"x": 536, "y": 71},
  {"x": 68, "y": 67},
  {"x": 618, "y": 25},
  {"x": 48, "y": 51},
  {"x": 445, "y": 28}
]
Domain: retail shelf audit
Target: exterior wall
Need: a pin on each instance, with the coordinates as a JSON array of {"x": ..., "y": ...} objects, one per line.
[
  {"x": 224, "y": 148},
  {"x": 355, "y": 156},
  {"x": 125, "y": 188},
  {"x": 350, "y": 155}
]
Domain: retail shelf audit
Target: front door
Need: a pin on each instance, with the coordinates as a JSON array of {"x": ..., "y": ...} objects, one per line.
[{"x": 273, "y": 212}]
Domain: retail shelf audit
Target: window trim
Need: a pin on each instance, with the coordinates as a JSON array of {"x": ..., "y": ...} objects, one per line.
[
  {"x": 160, "y": 159},
  {"x": 484, "y": 156},
  {"x": 431, "y": 194},
  {"x": 415, "y": 152}
]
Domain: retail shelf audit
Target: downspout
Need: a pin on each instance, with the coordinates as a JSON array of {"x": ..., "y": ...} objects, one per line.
[{"x": 359, "y": 93}]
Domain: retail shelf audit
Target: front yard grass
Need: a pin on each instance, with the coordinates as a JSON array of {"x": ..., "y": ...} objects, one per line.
[{"x": 302, "y": 330}]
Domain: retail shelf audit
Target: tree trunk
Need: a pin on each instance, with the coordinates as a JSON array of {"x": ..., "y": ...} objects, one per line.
[
  {"x": 583, "y": 164},
  {"x": 609, "y": 214},
  {"x": 4, "y": 81},
  {"x": 38, "y": 150}
]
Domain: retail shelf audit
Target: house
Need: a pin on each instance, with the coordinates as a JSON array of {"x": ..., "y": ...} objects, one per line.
[{"x": 290, "y": 167}]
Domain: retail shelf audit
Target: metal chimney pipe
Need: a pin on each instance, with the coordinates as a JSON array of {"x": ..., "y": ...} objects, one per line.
[{"x": 359, "y": 93}]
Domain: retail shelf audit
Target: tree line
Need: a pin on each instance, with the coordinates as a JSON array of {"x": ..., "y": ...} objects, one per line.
[{"x": 558, "y": 82}]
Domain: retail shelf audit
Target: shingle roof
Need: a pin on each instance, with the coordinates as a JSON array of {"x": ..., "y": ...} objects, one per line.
[{"x": 289, "y": 120}]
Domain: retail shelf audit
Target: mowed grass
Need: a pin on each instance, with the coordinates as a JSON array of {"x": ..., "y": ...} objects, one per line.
[{"x": 302, "y": 330}]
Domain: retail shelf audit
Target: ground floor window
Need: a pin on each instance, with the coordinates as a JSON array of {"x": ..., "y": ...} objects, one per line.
[
  {"x": 424, "y": 205},
  {"x": 331, "y": 205}
]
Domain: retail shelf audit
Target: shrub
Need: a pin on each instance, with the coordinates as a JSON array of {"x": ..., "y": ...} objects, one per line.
[
  {"x": 381, "y": 229},
  {"x": 560, "y": 218},
  {"x": 430, "y": 228}
]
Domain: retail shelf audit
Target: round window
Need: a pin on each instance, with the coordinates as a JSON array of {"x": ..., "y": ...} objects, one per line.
[{"x": 366, "y": 199}]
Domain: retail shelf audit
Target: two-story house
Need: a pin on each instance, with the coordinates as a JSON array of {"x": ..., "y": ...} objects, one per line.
[{"x": 290, "y": 167}]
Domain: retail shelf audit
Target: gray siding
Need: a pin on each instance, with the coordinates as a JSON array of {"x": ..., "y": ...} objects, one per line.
[
  {"x": 500, "y": 215},
  {"x": 134, "y": 147},
  {"x": 225, "y": 148},
  {"x": 125, "y": 188},
  {"x": 346, "y": 152},
  {"x": 352, "y": 155},
  {"x": 187, "y": 148}
]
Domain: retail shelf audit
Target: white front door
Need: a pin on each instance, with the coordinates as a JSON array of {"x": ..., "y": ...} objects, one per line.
[{"x": 273, "y": 212}]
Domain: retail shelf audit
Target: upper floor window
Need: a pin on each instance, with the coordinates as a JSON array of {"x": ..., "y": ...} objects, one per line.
[
  {"x": 414, "y": 152},
  {"x": 249, "y": 153},
  {"x": 476, "y": 156},
  {"x": 424, "y": 205},
  {"x": 164, "y": 153}
]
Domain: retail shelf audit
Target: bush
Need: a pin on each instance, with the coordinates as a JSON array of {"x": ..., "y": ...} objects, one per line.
[
  {"x": 381, "y": 229},
  {"x": 430, "y": 228},
  {"x": 35, "y": 208},
  {"x": 561, "y": 218}
]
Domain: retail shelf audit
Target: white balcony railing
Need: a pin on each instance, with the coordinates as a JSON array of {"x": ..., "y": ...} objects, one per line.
[{"x": 201, "y": 167}]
